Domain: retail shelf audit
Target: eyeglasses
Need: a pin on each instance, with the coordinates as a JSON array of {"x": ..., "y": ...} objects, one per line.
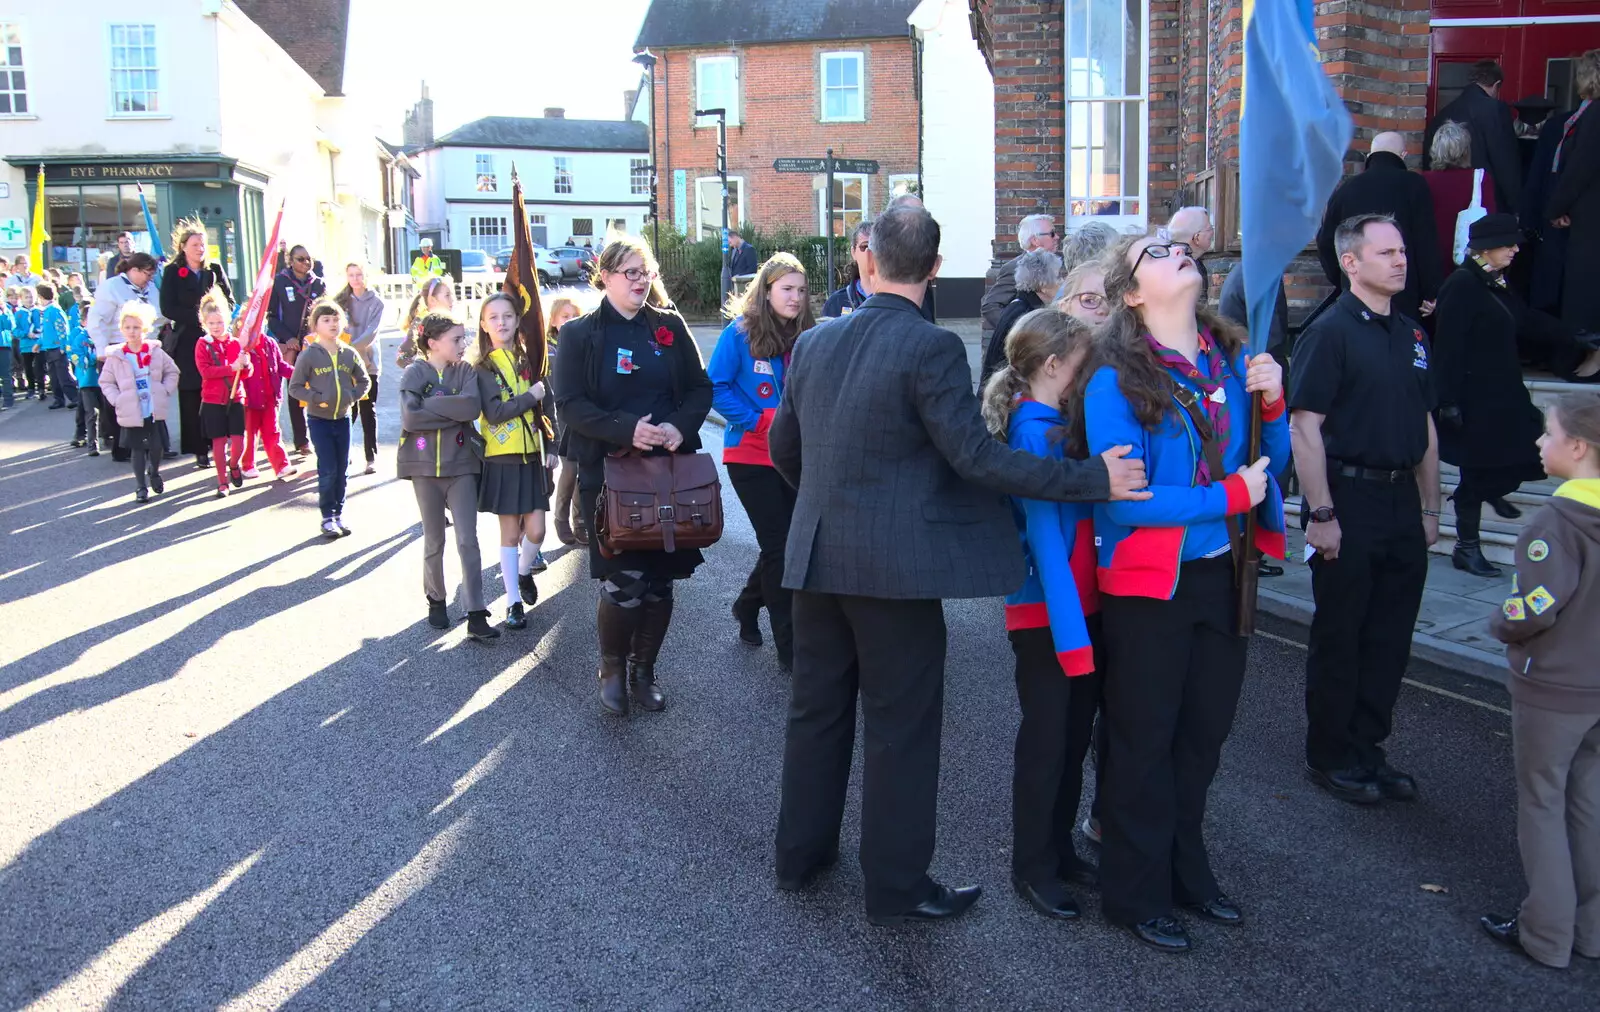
[
  {"x": 638, "y": 274},
  {"x": 302, "y": 260},
  {"x": 1090, "y": 300},
  {"x": 1160, "y": 251}
]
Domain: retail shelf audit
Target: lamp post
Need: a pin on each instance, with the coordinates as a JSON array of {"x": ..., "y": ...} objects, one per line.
[
  {"x": 647, "y": 60},
  {"x": 722, "y": 174}
]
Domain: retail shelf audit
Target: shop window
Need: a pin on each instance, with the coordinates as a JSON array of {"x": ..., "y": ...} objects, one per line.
[
  {"x": 563, "y": 180},
  {"x": 639, "y": 176},
  {"x": 135, "y": 71},
  {"x": 708, "y": 205},
  {"x": 1107, "y": 75},
  {"x": 13, "y": 79},
  {"x": 849, "y": 204},
  {"x": 488, "y": 182},
  {"x": 842, "y": 91},
  {"x": 487, "y": 233}
]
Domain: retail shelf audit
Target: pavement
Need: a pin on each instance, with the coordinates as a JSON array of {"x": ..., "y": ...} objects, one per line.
[{"x": 241, "y": 772}]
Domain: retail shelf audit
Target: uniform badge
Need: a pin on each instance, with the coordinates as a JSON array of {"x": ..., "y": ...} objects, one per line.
[
  {"x": 1538, "y": 550},
  {"x": 763, "y": 367},
  {"x": 422, "y": 443},
  {"x": 1421, "y": 352},
  {"x": 1218, "y": 396},
  {"x": 764, "y": 391},
  {"x": 1540, "y": 600},
  {"x": 1512, "y": 609},
  {"x": 624, "y": 361}
]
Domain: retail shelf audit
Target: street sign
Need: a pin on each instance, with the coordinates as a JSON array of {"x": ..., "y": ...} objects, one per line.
[
  {"x": 12, "y": 233},
  {"x": 864, "y": 166},
  {"x": 799, "y": 165}
]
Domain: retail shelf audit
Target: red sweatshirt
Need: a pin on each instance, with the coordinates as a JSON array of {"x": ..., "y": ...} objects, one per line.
[{"x": 215, "y": 360}]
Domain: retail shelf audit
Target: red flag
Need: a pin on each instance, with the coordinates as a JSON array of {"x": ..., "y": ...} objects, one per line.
[
  {"x": 522, "y": 284},
  {"x": 255, "y": 311}
]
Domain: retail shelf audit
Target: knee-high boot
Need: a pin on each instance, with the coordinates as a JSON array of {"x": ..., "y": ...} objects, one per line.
[
  {"x": 647, "y": 640},
  {"x": 566, "y": 479},
  {"x": 617, "y": 628}
]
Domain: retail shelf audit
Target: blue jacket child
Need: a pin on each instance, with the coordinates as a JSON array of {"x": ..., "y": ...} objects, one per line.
[
  {"x": 80, "y": 352},
  {"x": 29, "y": 322},
  {"x": 1058, "y": 544},
  {"x": 745, "y": 391},
  {"x": 1141, "y": 544},
  {"x": 53, "y": 328}
]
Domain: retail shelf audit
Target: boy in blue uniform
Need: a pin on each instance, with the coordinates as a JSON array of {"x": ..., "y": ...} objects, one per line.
[
  {"x": 54, "y": 326},
  {"x": 86, "y": 373}
]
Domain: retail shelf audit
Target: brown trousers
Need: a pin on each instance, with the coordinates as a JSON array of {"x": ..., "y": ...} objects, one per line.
[{"x": 1558, "y": 831}]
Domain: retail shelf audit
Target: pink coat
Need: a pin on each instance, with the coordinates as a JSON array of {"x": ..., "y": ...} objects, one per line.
[
  {"x": 263, "y": 384},
  {"x": 117, "y": 389}
]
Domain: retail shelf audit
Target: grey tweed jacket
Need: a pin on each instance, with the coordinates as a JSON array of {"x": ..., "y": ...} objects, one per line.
[{"x": 901, "y": 488}]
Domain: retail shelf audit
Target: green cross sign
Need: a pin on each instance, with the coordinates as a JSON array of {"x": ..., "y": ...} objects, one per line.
[{"x": 11, "y": 232}]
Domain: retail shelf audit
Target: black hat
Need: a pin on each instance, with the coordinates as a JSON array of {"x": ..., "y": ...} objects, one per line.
[{"x": 1493, "y": 231}]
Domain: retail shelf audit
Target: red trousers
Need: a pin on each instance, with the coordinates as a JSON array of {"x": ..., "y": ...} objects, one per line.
[{"x": 265, "y": 422}]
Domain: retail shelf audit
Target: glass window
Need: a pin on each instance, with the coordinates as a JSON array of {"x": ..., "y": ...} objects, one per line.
[
  {"x": 13, "y": 81},
  {"x": 841, "y": 87},
  {"x": 563, "y": 175},
  {"x": 135, "y": 76},
  {"x": 708, "y": 205},
  {"x": 582, "y": 227},
  {"x": 488, "y": 182},
  {"x": 639, "y": 175},
  {"x": 487, "y": 233},
  {"x": 849, "y": 204},
  {"x": 900, "y": 185},
  {"x": 717, "y": 87},
  {"x": 1106, "y": 76}
]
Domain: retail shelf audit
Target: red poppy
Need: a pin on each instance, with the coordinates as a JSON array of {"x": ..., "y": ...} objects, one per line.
[
  {"x": 183, "y": 272},
  {"x": 664, "y": 337}
]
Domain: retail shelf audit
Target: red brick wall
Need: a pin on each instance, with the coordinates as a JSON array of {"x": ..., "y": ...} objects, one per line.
[{"x": 780, "y": 117}]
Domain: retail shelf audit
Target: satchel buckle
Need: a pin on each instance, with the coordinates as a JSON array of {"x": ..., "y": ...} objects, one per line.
[{"x": 666, "y": 514}]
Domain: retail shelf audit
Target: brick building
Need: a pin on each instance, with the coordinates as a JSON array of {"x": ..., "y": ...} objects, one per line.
[{"x": 1148, "y": 118}]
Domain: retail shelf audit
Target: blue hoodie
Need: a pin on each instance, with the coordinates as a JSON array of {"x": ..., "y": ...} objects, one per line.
[
  {"x": 80, "y": 352},
  {"x": 746, "y": 391},
  {"x": 1058, "y": 544},
  {"x": 53, "y": 328},
  {"x": 26, "y": 329}
]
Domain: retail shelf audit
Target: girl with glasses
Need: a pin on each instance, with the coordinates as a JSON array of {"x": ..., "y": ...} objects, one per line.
[{"x": 1084, "y": 297}]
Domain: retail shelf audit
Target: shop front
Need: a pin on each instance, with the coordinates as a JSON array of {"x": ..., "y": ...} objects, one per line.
[{"x": 92, "y": 201}]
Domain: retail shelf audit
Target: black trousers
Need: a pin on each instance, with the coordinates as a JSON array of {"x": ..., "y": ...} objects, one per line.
[
  {"x": 1366, "y": 608},
  {"x": 1174, "y": 670},
  {"x": 768, "y": 501},
  {"x": 891, "y": 653},
  {"x": 1052, "y": 741},
  {"x": 191, "y": 438},
  {"x": 365, "y": 411},
  {"x": 297, "y": 424}
]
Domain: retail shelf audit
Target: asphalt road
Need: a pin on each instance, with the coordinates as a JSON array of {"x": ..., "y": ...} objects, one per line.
[{"x": 238, "y": 770}]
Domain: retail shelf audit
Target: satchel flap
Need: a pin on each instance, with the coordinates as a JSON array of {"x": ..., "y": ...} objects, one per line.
[
  {"x": 694, "y": 471},
  {"x": 633, "y": 474}
]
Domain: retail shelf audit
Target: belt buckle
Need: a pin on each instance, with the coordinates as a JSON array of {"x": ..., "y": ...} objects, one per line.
[{"x": 666, "y": 515}]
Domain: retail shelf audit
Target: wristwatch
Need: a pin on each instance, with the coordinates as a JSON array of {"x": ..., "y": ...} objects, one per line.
[{"x": 1322, "y": 514}]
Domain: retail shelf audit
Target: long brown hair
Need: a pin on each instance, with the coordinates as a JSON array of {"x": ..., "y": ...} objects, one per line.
[
  {"x": 521, "y": 357},
  {"x": 1032, "y": 341},
  {"x": 346, "y": 298},
  {"x": 181, "y": 231},
  {"x": 770, "y": 335}
]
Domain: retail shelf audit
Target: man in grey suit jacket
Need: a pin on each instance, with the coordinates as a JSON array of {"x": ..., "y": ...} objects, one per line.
[{"x": 901, "y": 503}]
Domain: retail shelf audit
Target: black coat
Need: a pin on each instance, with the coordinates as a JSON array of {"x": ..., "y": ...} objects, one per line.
[
  {"x": 994, "y": 356},
  {"x": 290, "y": 303},
  {"x": 181, "y": 292},
  {"x": 1476, "y": 370},
  {"x": 1577, "y": 196},
  {"x": 1386, "y": 186},
  {"x": 1494, "y": 141},
  {"x": 1232, "y": 305}
]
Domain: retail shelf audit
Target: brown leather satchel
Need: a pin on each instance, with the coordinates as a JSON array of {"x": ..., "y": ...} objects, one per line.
[{"x": 659, "y": 503}]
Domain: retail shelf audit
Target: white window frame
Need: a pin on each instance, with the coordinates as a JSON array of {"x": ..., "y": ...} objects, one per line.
[
  {"x": 860, "y": 59},
  {"x": 716, "y": 225},
  {"x": 1139, "y": 100},
  {"x": 487, "y": 180},
  {"x": 562, "y": 166},
  {"x": 900, "y": 183},
  {"x": 730, "y": 102},
  {"x": 639, "y": 176},
  {"x": 6, "y": 70},
  {"x": 111, "y": 72},
  {"x": 477, "y": 233},
  {"x": 823, "y": 224}
]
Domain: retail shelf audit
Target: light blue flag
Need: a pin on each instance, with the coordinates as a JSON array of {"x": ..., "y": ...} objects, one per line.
[
  {"x": 155, "y": 238},
  {"x": 1293, "y": 134}
]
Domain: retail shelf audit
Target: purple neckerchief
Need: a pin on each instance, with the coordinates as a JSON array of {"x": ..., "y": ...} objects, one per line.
[{"x": 1215, "y": 400}]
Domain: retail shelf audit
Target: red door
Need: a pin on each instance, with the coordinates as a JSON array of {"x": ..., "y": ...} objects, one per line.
[{"x": 1534, "y": 53}]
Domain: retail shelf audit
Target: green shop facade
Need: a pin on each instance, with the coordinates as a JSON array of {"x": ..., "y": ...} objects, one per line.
[{"x": 91, "y": 201}]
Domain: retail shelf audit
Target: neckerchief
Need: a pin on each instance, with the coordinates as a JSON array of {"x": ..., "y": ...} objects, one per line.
[
  {"x": 1566, "y": 131},
  {"x": 1215, "y": 400},
  {"x": 1495, "y": 278}
]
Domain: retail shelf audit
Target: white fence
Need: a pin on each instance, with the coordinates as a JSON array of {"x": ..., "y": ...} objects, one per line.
[{"x": 397, "y": 290}]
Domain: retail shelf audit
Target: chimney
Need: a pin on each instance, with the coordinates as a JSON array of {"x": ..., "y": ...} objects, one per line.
[
  {"x": 555, "y": 113},
  {"x": 627, "y": 102},
  {"x": 418, "y": 129}
]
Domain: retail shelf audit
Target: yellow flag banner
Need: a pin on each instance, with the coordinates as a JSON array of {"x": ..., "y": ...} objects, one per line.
[{"x": 40, "y": 237}]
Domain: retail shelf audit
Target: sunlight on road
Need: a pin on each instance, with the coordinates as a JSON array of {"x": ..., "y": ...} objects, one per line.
[
  {"x": 502, "y": 683},
  {"x": 480, "y": 769}
]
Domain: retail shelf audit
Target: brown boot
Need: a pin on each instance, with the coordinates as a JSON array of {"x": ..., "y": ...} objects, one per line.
[
  {"x": 647, "y": 641},
  {"x": 563, "y": 504},
  {"x": 617, "y": 628}
]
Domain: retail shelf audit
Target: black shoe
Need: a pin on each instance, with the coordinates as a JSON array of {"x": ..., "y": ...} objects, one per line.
[
  {"x": 1504, "y": 509},
  {"x": 437, "y": 616},
  {"x": 749, "y": 624},
  {"x": 1355, "y": 786},
  {"x": 56, "y": 407},
  {"x": 1220, "y": 910},
  {"x": 786, "y": 662},
  {"x": 478, "y": 627},
  {"x": 1163, "y": 933},
  {"x": 157, "y": 485},
  {"x": 795, "y": 883},
  {"x": 1267, "y": 569},
  {"x": 1052, "y": 901},
  {"x": 142, "y": 497},
  {"x": 1502, "y": 929},
  {"x": 236, "y": 476},
  {"x": 944, "y": 904},
  {"x": 516, "y": 618},
  {"x": 171, "y": 455},
  {"x": 528, "y": 589},
  {"x": 1394, "y": 785},
  {"x": 1468, "y": 557},
  {"x": 202, "y": 463},
  {"x": 1080, "y": 872}
]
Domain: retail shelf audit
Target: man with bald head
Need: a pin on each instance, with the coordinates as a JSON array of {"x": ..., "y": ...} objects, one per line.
[
  {"x": 1192, "y": 225},
  {"x": 1385, "y": 186}
]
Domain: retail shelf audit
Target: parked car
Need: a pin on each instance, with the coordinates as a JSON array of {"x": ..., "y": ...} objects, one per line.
[
  {"x": 576, "y": 262},
  {"x": 548, "y": 265},
  {"x": 476, "y": 261}
]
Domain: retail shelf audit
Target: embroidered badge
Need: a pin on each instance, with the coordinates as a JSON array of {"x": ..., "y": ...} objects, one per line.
[
  {"x": 1540, "y": 600},
  {"x": 763, "y": 367},
  {"x": 764, "y": 391},
  {"x": 422, "y": 443},
  {"x": 624, "y": 361},
  {"x": 1514, "y": 589},
  {"x": 461, "y": 439},
  {"x": 1421, "y": 352},
  {"x": 1538, "y": 550},
  {"x": 1512, "y": 609}
]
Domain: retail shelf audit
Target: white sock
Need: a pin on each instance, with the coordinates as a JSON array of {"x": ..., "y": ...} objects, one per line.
[
  {"x": 530, "y": 551},
  {"x": 508, "y": 575}
]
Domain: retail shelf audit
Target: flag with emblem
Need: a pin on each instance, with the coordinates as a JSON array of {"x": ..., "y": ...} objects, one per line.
[{"x": 522, "y": 284}]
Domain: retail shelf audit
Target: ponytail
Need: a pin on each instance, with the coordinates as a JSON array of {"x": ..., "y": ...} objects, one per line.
[
  {"x": 1034, "y": 340},
  {"x": 1000, "y": 396},
  {"x": 214, "y": 301}
]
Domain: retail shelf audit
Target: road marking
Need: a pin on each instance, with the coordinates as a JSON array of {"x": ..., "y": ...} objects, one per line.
[{"x": 1408, "y": 681}]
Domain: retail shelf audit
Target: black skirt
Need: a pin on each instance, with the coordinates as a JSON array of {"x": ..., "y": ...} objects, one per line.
[
  {"x": 512, "y": 488},
  {"x": 678, "y": 565},
  {"x": 150, "y": 437},
  {"x": 219, "y": 421}
]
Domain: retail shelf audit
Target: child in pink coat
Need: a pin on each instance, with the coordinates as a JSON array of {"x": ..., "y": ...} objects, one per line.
[{"x": 263, "y": 390}]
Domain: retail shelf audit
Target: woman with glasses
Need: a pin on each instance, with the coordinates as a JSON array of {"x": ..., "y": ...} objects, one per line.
[
  {"x": 1038, "y": 273},
  {"x": 294, "y": 291},
  {"x": 1172, "y": 381},
  {"x": 852, "y": 295},
  {"x": 1084, "y": 296},
  {"x": 132, "y": 284},
  {"x": 629, "y": 376}
]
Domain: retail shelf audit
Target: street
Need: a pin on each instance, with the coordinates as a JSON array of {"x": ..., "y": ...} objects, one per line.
[{"x": 240, "y": 771}]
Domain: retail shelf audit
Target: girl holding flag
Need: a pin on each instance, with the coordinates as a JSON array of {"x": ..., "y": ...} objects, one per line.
[{"x": 222, "y": 363}]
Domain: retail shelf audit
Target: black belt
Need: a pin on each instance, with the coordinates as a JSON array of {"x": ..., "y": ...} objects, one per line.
[{"x": 1371, "y": 473}]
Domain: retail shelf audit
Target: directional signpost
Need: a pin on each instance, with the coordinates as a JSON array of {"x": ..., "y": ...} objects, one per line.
[{"x": 829, "y": 165}]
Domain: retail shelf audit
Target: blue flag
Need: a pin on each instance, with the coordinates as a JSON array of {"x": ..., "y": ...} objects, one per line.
[
  {"x": 1293, "y": 134},
  {"x": 155, "y": 237}
]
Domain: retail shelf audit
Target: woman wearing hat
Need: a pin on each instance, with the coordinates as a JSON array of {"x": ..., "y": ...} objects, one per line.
[{"x": 1487, "y": 423}]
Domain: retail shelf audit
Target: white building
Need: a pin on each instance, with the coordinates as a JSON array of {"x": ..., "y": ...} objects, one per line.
[
  {"x": 580, "y": 179},
  {"x": 221, "y": 109}
]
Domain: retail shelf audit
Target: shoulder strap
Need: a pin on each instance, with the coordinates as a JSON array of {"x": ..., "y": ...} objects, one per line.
[{"x": 1208, "y": 443}]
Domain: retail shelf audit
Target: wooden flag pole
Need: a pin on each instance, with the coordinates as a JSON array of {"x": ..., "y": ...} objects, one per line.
[{"x": 1249, "y": 566}]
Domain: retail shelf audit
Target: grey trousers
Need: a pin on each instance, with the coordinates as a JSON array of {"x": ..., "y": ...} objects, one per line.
[
  {"x": 460, "y": 494},
  {"x": 1558, "y": 831}
]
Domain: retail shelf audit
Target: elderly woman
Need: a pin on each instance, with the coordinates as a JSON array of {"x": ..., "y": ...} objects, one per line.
[
  {"x": 1575, "y": 204},
  {"x": 1450, "y": 182},
  {"x": 1037, "y": 275}
]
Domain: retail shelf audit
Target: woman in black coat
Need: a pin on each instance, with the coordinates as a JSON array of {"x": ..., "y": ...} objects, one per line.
[
  {"x": 184, "y": 281},
  {"x": 629, "y": 376},
  {"x": 1487, "y": 424},
  {"x": 1575, "y": 203}
]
